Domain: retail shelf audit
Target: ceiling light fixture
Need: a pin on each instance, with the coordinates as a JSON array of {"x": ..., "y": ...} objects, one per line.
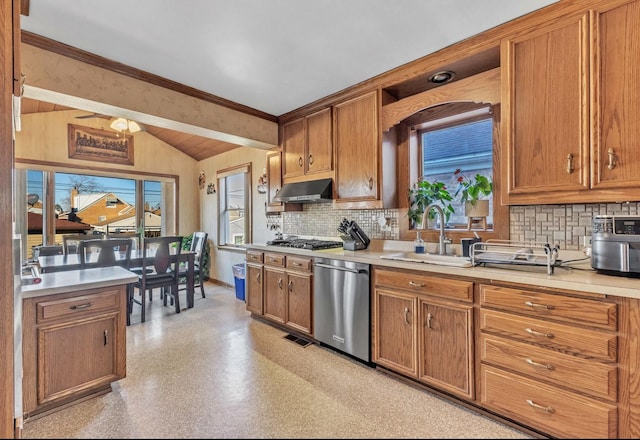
[
  {"x": 444, "y": 76},
  {"x": 122, "y": 124}
]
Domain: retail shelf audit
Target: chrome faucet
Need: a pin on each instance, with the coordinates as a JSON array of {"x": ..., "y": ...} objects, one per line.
[{"x": 443, "y": 240}]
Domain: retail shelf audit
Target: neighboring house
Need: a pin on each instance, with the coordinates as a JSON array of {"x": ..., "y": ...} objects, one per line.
[
  {"x": 95, "y": 208},
  {"x": 62, "y": 227},
  {"x": 127, "y": 223}
]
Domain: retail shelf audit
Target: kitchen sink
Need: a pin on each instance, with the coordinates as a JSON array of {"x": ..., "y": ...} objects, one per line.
[{"x": 442, "y": 260}]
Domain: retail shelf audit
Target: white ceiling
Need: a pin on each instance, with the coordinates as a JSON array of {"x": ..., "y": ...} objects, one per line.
[{"x": 271, "y": 55}]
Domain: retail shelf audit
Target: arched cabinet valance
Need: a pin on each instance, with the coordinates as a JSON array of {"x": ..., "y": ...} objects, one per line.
[{"x": 481, "y": 88}]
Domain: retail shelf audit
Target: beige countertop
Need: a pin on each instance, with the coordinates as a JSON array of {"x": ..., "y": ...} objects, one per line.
[
  {"x": 78, "y": 280},
  {"x": 579, "y": 276}
]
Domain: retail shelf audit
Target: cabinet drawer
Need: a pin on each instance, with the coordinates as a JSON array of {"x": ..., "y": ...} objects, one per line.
[
  {"x": 553, "y": 411},
  {"x": 299, "y": 263},
  {"x": 77, "y": 306},
  {"x": 419, "y": 283},
  {"x": 254, "y": 256},
  {"x": 274, "y": 259},
  {"x": 594, "y": 378},
  {"x": 559, "y": 337},
  {"x": 559, "y": 307}
]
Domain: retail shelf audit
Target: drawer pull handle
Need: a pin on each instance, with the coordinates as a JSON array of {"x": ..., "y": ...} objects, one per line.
[
  {"x": 106, "y": 338},
  {"x": 539, "y": 365},
  {"x": 280, "y": 283},
  {"x": 569, "y": 163},
  {"x": 258, "y": 277},
  {"x": 414, "y": 284},
  {"x": 546, "y": 409},
  {"x": 541, "y": 306},
  {"x": 429, "y": 318},
  {"x": 537, "y": 333},
  {"x": 80, "y": 306},
  {"x": 290, "y": 286},
  {"x": 406, "y": 315},
  {"x": 296, "y": 264},
  {"x": 612, "y": 158}
]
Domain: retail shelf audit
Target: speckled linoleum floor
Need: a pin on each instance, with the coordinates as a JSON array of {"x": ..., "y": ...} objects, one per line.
[{"x": 215, "y": 372}]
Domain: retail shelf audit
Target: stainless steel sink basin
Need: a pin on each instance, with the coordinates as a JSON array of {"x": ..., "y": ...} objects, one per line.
[{"x": 442, "y": 260}]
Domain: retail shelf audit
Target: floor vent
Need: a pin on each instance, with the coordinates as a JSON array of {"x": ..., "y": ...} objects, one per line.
[{"x": 297, "y": 340}]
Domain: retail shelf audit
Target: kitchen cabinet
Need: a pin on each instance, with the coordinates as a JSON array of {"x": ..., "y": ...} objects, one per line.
[
  {"x": 549, "y": 360},
  {"x": 254, "y": 282},
  {"x": 307, "y": 147},
  {"x": 569, "y": 125},
  {"x": 423, "y": 328},
  {"x": 358, "y": 152},
  {"x": 274, "y": 185},
  {"x": 288, "y": 291},
  {"x": 74, "y": 345}
]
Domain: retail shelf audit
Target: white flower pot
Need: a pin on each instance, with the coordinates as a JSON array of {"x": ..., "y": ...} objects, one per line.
[{"x": 478, "y": 210}]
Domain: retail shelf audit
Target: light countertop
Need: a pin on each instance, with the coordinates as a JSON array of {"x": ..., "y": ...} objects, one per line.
[
  {"x": 77, "y": 280},
  {"x": 578, "y": 277}
]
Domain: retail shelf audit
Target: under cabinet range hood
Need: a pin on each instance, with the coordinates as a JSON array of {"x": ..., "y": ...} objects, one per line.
[{"x": 313, "y": 191}]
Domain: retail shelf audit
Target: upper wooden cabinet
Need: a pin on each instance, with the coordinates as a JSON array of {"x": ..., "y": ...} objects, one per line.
[
  {"x": 307, "y": 147},
  {"x": 274, "y": 185},
  {"x": 568, "y": 126}
]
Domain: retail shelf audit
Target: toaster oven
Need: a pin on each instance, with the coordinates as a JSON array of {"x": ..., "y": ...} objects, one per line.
[{"x": 615, "y": 245}]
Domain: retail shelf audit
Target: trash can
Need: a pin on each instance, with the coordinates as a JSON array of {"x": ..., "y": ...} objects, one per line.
[{"x": 238, "y": 275}]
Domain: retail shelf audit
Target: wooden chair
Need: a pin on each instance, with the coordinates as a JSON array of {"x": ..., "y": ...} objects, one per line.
[
  {"x": 198, "y": 245},
  {"x": 105, "y": 253},
  {"x": 161, "y": 255},
  {"x": 70, "y": 241},
  {"x": 135, "y": 237}
]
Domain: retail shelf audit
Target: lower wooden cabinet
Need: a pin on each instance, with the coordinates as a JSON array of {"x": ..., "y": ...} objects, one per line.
[
  {"x": 423, "y": 328},
  {"x": 74, "y": 345},
  {"x": 550, "y": 361},
  {"x": 280, "y": 289}
]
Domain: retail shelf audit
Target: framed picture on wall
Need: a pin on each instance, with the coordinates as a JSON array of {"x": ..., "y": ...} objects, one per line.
[{"x": 100, "y": 145}]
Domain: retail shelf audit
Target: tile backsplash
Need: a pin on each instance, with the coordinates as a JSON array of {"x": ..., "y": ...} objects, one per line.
[{"x": 564, "y": 225}]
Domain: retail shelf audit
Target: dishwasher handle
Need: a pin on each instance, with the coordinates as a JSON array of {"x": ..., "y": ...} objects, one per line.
[{"x": 344, "y": 269}]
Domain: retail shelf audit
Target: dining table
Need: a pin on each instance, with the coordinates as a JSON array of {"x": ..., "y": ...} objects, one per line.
[{"x": 65, "y": 262}]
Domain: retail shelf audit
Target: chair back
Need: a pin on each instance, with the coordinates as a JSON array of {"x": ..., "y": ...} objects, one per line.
[
  {"x": 198, "y": 242},
  {"x": 162, "y": 253},
  {"x": 45, "y": 251},
  {"x": 105, "y": 253},
  {"x": 70, "y": 242},
  {"x": 135, "y": 237}
]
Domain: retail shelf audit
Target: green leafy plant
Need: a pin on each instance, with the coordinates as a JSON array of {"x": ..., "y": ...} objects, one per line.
[
  {"x": 423, "y": 194},
  {"x": 472, "y": 189}
]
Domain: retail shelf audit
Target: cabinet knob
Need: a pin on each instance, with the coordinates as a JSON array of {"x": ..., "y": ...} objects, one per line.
[
  {"x": 311, "y": 159},
  {"x": 569, "y": 163},
  {"x": 612, "y": 158},
  {"x": 300, "y": 161}
]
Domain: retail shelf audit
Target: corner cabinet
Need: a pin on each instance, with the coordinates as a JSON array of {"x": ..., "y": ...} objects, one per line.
[
  {"x": 307, "y": 147},
  {"x": 568, "y": 107},
  {"x": 274, "y": 185},
  {"x": 423, "y": 328},
  {"x": 74, "y": 345}
]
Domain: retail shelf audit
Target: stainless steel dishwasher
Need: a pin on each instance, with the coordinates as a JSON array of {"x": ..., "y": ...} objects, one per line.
[{"x": 341, "y": 306}]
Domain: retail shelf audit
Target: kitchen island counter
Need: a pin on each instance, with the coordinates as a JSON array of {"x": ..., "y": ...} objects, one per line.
[{"x": 578, "y": 277}]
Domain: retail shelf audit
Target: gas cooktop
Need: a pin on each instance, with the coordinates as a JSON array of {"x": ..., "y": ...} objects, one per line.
[{"x": 305, "y": 243}]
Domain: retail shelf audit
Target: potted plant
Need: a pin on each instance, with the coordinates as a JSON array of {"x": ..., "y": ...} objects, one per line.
[
  {"x": 424, "y": 193},
  {"x": 473, "y": 193}
]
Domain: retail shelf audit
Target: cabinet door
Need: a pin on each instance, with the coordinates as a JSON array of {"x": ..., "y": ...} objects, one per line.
[
  {"x": 76, "y": 356},
  {"x": 319, "y": 142},
  {"x": 254, "y": 289},
  {"x": 275, "y": 284},
  {"x": 446, "y": 346},
  {"x": 546, "y": 125},
  {"x": 357, "y": 149},
  {"x": 293, "y": 148},
  {"x": 616, "y": 97},
  {"x": 299, "y": 302},
  {"x": 395, "y": 331}
]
